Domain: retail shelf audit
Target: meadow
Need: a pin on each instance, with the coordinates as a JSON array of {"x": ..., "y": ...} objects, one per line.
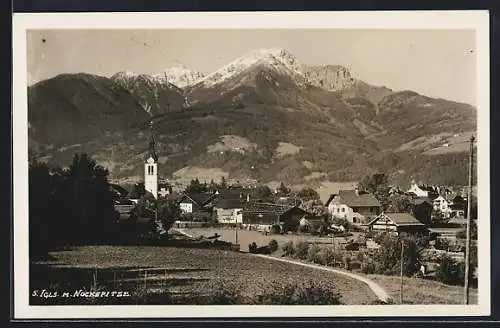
[{"x": 178, "y": 272}]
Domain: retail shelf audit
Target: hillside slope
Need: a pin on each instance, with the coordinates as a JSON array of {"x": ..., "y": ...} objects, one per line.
[{"x": 263, "y": 116}]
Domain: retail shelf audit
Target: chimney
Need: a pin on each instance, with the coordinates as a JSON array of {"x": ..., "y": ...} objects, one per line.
[{"x": 356, "y": 190}]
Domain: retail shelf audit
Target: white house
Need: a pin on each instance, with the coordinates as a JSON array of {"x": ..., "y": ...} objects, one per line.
[
  {"x": 417, "y": 190},
  {"x": 442, "y": 204},
  {"x": 354, "y": 206}
]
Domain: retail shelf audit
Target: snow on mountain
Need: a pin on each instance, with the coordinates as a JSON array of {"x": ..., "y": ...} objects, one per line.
[
  {"x": 278, "y": 59},
  {"x": 180, "y": 76}
]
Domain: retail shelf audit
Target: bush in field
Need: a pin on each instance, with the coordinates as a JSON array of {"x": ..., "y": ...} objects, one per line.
[
  {"x": 313, "y": 254},
  {"x": 368, "y": 268},
  {"x": 252, "y": 248},
  {"x": 388, "y": 256},
  {"x": 355, "y": 265},
  {"x": 301, "y": 250},
  {"x": 448, "y": 271},
  {"x": 273, "y": 245},
  {"x": 346, "y": 259},
  {"x": 307, "y": 292},
  {"x": 289, "y": 249},
  {"x": 442, "y": 244},
  {"x": 275, "y": 229}
]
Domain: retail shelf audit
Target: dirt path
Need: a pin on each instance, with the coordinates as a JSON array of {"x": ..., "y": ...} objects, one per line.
[
  {"x": 376, "y": 288},
  {"x": 380, "y": 292}
]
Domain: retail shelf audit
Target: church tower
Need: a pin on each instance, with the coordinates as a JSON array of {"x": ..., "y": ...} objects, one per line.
[{"x": 151, "y": 166}]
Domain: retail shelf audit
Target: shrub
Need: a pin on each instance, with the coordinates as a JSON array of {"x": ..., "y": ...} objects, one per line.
[
  {"x": 273, "y": 245},
  {"x": 355, "y": 265},
  {"x": 346, "y": 259},
  {"x": 308, "y": 292},
  {"x": 368, "y": 268},
  {"x": 352, "y": 246},
  {"x": 448, "y": 271},
  {"x": 275, "y": 229},
  {"x": 388, "y": 256},
  {"x": 313, "y": 254},
  {"x": 301, "y": 250},
  {"x": 252, "y": 248},
  {"x": 442, "y": 244},
  {"x": 289, "y": 249}
]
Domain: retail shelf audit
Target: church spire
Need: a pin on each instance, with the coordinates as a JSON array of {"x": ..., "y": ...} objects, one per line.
[{"x": 152, "y": 143}]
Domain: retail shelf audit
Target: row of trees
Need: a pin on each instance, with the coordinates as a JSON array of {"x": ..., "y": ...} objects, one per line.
[
  {"x": 74, "y": 205},
  {"x": 69, "y": 206}
]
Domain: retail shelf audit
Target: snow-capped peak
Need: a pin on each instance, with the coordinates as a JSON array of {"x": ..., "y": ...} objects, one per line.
[
  {"x": 277, "y": 58},
  {"x": 180, "y": 76}
]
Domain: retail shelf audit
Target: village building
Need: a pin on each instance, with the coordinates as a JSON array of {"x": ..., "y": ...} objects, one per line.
[
  {"x": 311, "y": 223},
  {"x": 228, "y": 208},
  {"x": 422, "y": 191},
  {"x": 397, "y": 223},
  {"x": 262, "y": 216},
  {"x": 442, "y": 205},
  {"x": 355, "y": 206},
  {"x": 199, "y": 206}
]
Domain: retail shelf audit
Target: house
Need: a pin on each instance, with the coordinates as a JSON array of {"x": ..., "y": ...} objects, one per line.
[
  {"x": 164, "y": 189},
  {"x": 199, "y": 205},
  {"x": 229, "y": 210},
  {"x": 355, "y": 206},
  {"x": 262, "y": 216},
  {"x": 458, "y": 207},
  {"x": 441, "y": 204},
  {"x": 124, "y": 207},
  {"x": 397, "y": 222},
  {"x": 118, "y": 191},
  {"x": 422, "y": 191},
  {"x": 310, "y": 222},
  {"x": 422, "y": 209}
]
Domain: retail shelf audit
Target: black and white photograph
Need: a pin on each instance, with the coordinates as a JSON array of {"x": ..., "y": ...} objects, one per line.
[{"x": 337, "y": 163}]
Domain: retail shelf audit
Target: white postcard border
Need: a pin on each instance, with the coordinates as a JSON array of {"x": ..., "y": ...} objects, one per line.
[{"x": 477, "y": 20}]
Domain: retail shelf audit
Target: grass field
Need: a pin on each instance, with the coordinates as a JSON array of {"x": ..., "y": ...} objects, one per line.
[
  {"x": 180, "y": 270},
  {"x": 422, "y": 291},
  {"x": 416, "y": 291}
]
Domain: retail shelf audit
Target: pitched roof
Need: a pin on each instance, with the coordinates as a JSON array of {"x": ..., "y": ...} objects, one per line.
[
  {"x": 403, "y": 219},
  {"x": 230, "y": 203},
  {"x": 199, "y": 198},
  {"x": 420, "y": 201},
  {"x": 353, "y": 199},
  {"x": 268, "y": 208}
]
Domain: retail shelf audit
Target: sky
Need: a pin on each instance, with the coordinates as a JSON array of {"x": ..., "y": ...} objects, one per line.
[{"x": 436, "y": 63}]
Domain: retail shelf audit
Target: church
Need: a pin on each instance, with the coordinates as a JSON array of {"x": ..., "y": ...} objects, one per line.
[{"x": 152, "y": 182}]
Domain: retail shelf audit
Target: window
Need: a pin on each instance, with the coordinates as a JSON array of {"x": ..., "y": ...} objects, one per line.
[{"x": 343, "y": 209}]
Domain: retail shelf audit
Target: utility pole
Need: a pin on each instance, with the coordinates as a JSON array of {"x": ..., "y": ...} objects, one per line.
[
  {"x": 467, "y": 240},
  {"x": 401, "y": 273}
]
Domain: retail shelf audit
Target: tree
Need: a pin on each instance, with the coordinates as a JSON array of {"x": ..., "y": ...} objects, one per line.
[
  {"x": 388, "y": 256},
  {"x": 72, "y": 206},
  {"x": 263, "y": 193},
  {"x": 438, "y": 217},
  {"x": 283, "y": 191},
  {"x": 400, "y": 204},
  {"x": 196, "y": 187},
  {"x": 168, "y": 211},
  {"x": 307, "y": 194},
  {"x": 378, "y": 185},
  {"x": 223, "y": 183}
]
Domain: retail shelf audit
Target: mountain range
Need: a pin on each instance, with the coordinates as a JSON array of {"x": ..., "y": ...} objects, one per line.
[{"x": 264, "y": 116}]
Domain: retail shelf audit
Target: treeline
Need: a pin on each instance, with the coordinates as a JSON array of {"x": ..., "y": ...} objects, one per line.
[{"x": 70, "y": 205}]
